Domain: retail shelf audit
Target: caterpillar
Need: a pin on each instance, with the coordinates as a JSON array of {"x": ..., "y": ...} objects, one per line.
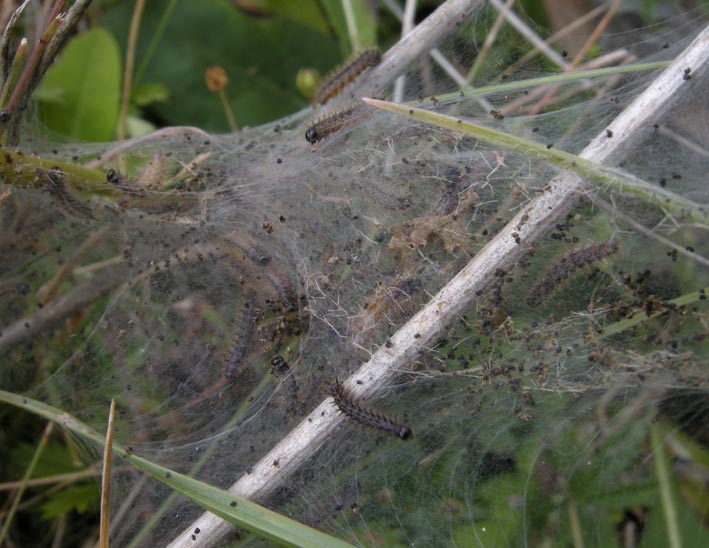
[
  {"x": 566, "y": 267},
  {"x": 328, "y": 125},
  {"x": 238, "y": 350},
  {"x": 285, "y": 291},
  {"x": 336, "y": 80},
  {"x": 356, "y": 411},
  {"x": 71, "y": 205}
]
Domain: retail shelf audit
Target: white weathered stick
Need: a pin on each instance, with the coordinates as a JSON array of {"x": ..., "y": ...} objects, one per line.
[
  {"x": 416, "y": 43},
  {"x": 629, "y": 128}
]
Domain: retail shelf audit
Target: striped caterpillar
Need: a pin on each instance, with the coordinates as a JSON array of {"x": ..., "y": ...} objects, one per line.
[
  {"x": 71, "y": 205},
  {"x": 566, "y": 267},
  {"x": 348, "y": 405},
  {"x": 241, "y": 342},
  {"x": 338, "y": 79},
  {"x": 328, "y": 125}
]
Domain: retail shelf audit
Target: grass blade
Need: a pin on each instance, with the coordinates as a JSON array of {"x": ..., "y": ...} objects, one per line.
[
  {"x": 238, "y": 511},
  {"x": 583, "y": 167}
]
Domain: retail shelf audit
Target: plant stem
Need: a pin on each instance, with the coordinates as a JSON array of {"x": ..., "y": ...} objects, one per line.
[
  {"x": 583, "y": 167},
  {"x": 227, "y": 110},
  {"x": 6, "y": 38},
  {"x": 28, "y": 472},
  {"x": 241, "y": 512},
  {"x": 669, "y": 506},
  {"x": 419, "y": 41},
  {"x": 22, "y": 89},
  {"x": 128, "y": 73},
  {"x": 575, "y": 525},
  {"x": 640, "y": 317},
  {"x": 157, "y": 35},
  {"x": 352, "y": 31},
  {"x": 17, "y": 63},
  {"x": 106, "y": 480},
  {"x": 487, "y": 44}
]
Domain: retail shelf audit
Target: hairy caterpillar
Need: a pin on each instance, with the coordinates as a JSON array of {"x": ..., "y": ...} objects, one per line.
[
  {"x": 328, "y": 125},
  {"x": 72, "y": 206},
  {"x": 566, "y": 267},
  {"x": 241, "y": 342},
  {"x": 355, "y": 410},
  {"x": 336, "y": 81}
]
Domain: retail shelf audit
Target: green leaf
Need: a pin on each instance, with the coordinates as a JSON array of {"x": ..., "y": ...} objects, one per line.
[
  {"x": 153, "y": 92},
  {"x": 137, "y": 126},
  {"x": 77, "y": 497},
  {"x": 55, "y": 459},
  {"x": 306, "y": 12},
  {"x": 261, "y": 57},
  {"x": 79, "y": 96}
]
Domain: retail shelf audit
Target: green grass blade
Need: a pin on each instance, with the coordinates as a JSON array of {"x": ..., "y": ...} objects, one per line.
[
  {"x": 662, "y": 470},
  {"x": 605, "y": 175},
  {"x": 238, "y": 511}
]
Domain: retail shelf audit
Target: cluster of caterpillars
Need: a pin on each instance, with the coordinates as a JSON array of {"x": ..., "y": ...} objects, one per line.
[{"x": 332, "y": 85}]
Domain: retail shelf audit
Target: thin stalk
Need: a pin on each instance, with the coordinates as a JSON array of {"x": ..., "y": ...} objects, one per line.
[
  {"x": 48, "y": 480},
  {"x": 640, "y": 317},
  {"x": 22, "y": 87},
  {"x": 583, "y": 167},
  {"x": 157, "y": 35},
  {"x": 17, "y": 63},
  {"x": 50, "y": 50},
  {"x": 669, "y": 506},
  {"x": 575, "y": 525},
  {"x": 352, "y": 30},
  {"x": 21, "y": 170},
  {"x": 106, "y": 480},
  {"x": 228, "y": 112},
  {"x": 61, "y": 529},
  {"x": 28, "y": 472},
  {"x": 128, "y": 72},
  {"x": 489, "y": 41},
  {"x": 558, "y": 78},
  {"x": 71, "y": 18},
  {"x": 56, "y": 9},
  {"x": 241, "y": 512},
  {"x": 530, "y": 35},
  {"x": 602, "y": 24},
  {"x": 407, "y": 25},
  {"x": 558, "y": 35},
  {"x": 418, "y": 42},
  {"x": 6, "y": 38}
]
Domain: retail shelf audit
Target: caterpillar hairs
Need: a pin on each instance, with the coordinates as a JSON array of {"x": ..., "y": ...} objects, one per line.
[
  {"x": 328, "y": 125},
  {"x": 338, "y": 79},
  {"x": 566, "y": 267},
  {"x": 355, "y": 410}
]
